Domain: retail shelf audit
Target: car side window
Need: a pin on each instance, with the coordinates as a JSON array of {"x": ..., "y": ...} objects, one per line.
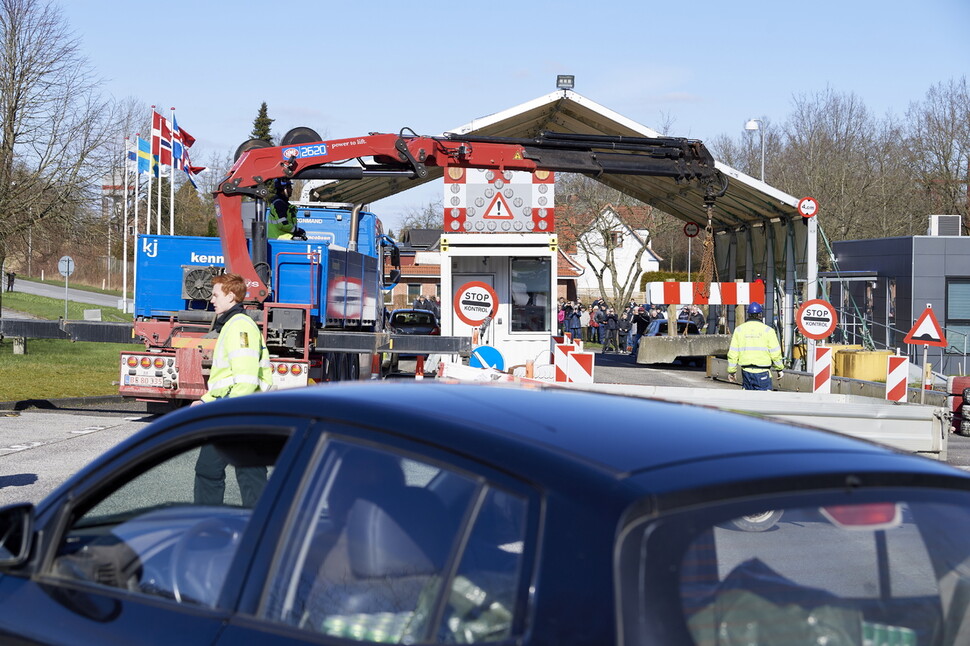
[
  {"x": 171, "y": 529},
  {"x": 374, "y": 544},
  {"x": 483, "y": 594}
]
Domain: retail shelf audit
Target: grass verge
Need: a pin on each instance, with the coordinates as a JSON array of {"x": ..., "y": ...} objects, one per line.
[{"x": 55, "y": 368}]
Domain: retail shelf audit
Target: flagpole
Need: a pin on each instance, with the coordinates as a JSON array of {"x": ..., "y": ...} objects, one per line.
[
  {"x": 158, "y": 210},
  {"x": 134, "y": 234},
  {"x": 151, "y": 171},
  {"x": 171, "y": 177},
  {"x": 124, "y": 229}
]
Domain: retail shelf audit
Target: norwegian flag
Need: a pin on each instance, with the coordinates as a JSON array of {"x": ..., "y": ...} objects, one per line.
[
  {"x": 161, "y": 143},
  {"x": 190, "y": 170},
  {"x": 181, "y": 142}
]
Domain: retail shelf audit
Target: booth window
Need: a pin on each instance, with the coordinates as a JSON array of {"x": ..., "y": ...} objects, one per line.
[{"x": 531, "y": 283}]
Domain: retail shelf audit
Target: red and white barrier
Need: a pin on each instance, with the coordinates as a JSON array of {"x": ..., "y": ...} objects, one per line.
[
  {"x": 822, "y": 374},
  {"x": 674, "y": 293},
  {"x": 561, "y": 353},
  {"x": 897, "y": 376},
  {"x": 579, "y": 367}
]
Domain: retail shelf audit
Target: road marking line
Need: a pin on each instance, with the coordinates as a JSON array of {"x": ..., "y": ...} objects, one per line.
[
  {"x": 89, "y": 429},
  {"x": 21, "y": 447}
]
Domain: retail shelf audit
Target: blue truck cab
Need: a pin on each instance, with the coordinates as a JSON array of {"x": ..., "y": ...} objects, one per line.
[{"x": 342, "y": 288}]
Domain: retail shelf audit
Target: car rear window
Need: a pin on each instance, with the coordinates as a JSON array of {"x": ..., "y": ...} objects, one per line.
[
  {"x": 866, "y": 572},
  {"x": 413, "y": 318}
]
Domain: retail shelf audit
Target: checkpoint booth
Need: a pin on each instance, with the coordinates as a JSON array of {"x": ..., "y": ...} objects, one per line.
[{"x": 498, "y": 257}]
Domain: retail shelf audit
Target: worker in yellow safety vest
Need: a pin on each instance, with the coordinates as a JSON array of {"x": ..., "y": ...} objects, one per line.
[
  {"x": 755, "y": 350},
  {"x": 282, "y": 222},
  {"x": 240, "y": 366}
]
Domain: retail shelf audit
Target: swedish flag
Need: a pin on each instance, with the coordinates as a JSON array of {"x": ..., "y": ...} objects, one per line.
[{"x": 144, "y": 156}]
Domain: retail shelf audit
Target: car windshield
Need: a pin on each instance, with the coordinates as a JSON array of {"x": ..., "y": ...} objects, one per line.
[{"x": 866, "y": 572}]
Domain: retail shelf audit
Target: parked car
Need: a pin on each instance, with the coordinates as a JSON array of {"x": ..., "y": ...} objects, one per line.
[
  {"x": 403, "y": 512},
  {"x": 414, "y": 322},
  {"x": 410, "y": 321}
]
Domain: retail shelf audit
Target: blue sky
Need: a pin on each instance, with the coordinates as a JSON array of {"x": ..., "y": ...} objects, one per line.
[{"x": 349, "y": 68}]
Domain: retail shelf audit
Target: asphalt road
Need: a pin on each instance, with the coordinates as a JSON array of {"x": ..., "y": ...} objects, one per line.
[
  {"x": 41, "y": 447},
  {"x": 58, "y": 291}
]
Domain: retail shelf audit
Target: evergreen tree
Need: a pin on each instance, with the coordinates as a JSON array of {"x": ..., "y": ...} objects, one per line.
[{"x": 261, "y": 125}]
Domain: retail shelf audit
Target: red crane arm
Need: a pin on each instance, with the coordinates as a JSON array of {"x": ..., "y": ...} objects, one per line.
[{"x": 410, "y": 156}]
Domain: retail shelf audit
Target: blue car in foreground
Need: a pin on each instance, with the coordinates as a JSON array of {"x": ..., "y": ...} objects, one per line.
[{"x": 419, "y": 513}]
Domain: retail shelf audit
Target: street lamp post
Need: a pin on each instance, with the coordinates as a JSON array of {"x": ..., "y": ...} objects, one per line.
[{"x": 758, "y": 124}]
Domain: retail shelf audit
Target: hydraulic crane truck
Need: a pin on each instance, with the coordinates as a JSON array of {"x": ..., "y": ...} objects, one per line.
[{"x": 319, "y": 304}]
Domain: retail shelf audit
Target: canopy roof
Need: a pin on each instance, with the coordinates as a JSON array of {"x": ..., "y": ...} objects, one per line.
[{"x": 748, "y": 201}]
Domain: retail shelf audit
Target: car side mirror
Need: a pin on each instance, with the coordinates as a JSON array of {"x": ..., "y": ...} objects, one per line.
[{"x": 16, "y": 534}]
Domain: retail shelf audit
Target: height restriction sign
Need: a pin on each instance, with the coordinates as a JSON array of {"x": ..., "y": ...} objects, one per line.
[
  {"x": 808, "y": 206},
  {"x": 475, "y": 301},
  {"x": 816, "y": 319}
]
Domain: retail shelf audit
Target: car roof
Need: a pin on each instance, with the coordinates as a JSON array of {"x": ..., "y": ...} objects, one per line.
[{"x": 507, "y": 425}]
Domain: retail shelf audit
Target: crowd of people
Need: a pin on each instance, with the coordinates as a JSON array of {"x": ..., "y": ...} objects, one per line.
[{"x": 618, "y": 332}]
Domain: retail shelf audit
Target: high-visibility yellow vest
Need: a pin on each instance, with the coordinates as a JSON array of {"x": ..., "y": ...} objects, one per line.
[
  {"x": 281, "y": 226},
  {"x": 754, "y": 348},
  {"x": 240, "y": 361}
]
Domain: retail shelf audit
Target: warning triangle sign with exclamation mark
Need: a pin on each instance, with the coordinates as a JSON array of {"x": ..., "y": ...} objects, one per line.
[{"x": 498, "y": 209}]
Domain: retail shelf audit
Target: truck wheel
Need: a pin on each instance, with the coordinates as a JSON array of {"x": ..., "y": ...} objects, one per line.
[
  {"x": 343, "y": 366},
  {"x": 759, "y": 522},
  {"x": 964, "y": 428},
  {"x": 333, "y": 373},
  {"x": 965, "y": 411},
  {"x": 966, "y": 395}
]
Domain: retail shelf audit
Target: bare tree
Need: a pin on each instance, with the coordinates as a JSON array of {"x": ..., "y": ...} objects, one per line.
[
  {"x": 427, "y": 216},
  {"x": 54, "y": 125},
  {"x": 939, "y": 147},
  {"x": 597, "y": 218}
]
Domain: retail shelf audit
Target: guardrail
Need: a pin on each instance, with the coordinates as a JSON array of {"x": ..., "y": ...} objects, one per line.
[
  {"x": 802, "y": 382},
  {"x": 97, "y": 331}
]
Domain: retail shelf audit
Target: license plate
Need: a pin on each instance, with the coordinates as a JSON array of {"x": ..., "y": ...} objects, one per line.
[{"x": 136, "y": 380}]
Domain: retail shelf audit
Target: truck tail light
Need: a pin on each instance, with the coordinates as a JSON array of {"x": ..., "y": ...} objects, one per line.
[
  {"x": 159, "y": 363},
  {"x": 146, "y": 362},
  {"x": 296, "y": 370},
  {"x": 282, "y": 369},
  {"x": 132, "y": 362},
  {"x": 875, "y": 515}
]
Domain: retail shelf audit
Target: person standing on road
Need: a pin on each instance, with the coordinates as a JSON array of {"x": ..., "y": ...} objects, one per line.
[
  {"x": 612, "y": 327},
  {"x": 641, "y": 321},
  {"x": 10, "y": 276},
  {"x": 755, "y": 350},
  {"x": 572, "y": 322},
  {"x": 625, "y": 323},
  {"x": 240, "y": 366}
]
